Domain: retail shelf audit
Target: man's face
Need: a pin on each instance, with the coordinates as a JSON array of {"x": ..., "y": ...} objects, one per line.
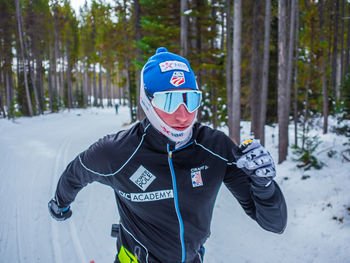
[{"x": 179, "y": 120}]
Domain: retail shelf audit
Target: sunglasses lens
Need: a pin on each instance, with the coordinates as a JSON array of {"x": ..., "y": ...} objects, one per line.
[
  {"x": 193, "y": 101},
  {"x": 170, "y": 101}
]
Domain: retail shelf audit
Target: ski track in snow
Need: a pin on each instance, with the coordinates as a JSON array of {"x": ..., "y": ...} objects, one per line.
[
  {"x": 73, "y": 230},
  {"x": 76, "y": 242},
  {"x": 61, "y": 161},
  {"x": 56, "y": 245},
  {"x": 18, "y": 237},
  {"x": 35, "y": 151}
]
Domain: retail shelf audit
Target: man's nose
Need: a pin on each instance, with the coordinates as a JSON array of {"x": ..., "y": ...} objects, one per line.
[{"x": 181, "y": 114}]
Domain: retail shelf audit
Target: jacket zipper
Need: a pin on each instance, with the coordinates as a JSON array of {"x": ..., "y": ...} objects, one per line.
[{"x": 181, "y": 226}]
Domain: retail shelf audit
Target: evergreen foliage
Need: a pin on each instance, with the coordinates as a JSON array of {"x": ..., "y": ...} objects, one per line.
[
  {"x": 78, "y": 59},
  {"x": 307, "y": 155}
]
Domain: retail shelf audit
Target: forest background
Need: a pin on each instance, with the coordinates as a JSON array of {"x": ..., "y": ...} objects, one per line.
[{"x": 270, "y": 62}]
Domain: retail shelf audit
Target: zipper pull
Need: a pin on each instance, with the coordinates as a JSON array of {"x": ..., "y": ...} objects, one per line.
[{"x": 170, "y": 154}]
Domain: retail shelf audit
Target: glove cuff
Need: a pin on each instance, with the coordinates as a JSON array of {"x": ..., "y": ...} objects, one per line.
[
  {"x": 58, "y": 213},
  {"x": 65, "y": 209},
  {"x": 263, "y": 192}
]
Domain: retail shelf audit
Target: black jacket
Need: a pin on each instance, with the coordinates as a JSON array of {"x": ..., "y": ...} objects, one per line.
[{"x": 165, "y": 196}]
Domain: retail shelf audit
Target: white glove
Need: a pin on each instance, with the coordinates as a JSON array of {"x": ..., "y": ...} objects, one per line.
[{"x": 256, "y": 162}]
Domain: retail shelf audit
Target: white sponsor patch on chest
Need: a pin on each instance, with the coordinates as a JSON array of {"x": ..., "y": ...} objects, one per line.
[
  {"x": 142, "y": 178},
  {"x": 151, "y": 196},
  {"x": 148, "y": 197}
]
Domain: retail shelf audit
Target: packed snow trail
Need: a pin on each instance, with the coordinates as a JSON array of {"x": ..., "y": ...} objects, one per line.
[{"x": 35, "y": 151}]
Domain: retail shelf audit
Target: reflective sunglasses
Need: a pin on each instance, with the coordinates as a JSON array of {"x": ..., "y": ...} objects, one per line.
[{"x": 170, "y": 101}]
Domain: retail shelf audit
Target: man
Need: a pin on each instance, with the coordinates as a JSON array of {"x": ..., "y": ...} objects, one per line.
[{"x": 166, "y": 172}]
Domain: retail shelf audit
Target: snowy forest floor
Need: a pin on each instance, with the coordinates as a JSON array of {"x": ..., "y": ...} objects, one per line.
[{"x": 35, "y": 151}]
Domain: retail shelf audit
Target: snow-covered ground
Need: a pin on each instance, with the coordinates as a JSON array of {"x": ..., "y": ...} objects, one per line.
[{"x": 34, "y": 152}]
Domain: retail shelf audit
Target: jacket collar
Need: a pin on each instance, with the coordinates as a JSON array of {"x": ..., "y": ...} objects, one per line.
[{"x": 158, "y": 141}]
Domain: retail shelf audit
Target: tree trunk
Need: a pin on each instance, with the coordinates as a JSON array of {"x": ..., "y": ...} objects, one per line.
[
  {"x": 61, "y": 76},
  {"x": 128, "y": 88},
  {"x": 6, "y": 37},
  {"x": 40, "y": 82},
  {"x": 338, "y": 78},
  {"x": 214, "y": 107},
  {"x": 6, "y": 79},
  {"x": 222, "y": 33},
  {"x": 50, "y": 81},
  {"x": 282, "y": 76},
  {"x": 347, "y": 56},
  {"x": 214, "y": 102},
  {"x": 330, "y": 37},
  {"x": 22, "y": 59},
  {"x": 95, "y": 86},
  {"x": 118, "y": 77},
  {"x": 236, "y": 94},
  {"x": 113, "y": 90},
  {"x": 138, "y": 36},
  {"x": 55, "y": 77},
  {"x": 118, "y": 73},
  {"x": 290, "y": 54},
  {"x": 120, "y": 94},
  {"x": 2, "y": 106},
  {"x": 255, "y": 70},
  {"x": 84, "y": 83},
  {"x": 55, "y": 59},
  {"x": 265, "y": 75},
  {"x": 296, "y": 86},
  {"x": 198, "y": 40},
  {"x": 78, "y": 90},
  {"x": 6, "y": 73},
  {"x": 18, "y": 48},
  {"x": 229, "y": 66},
  {"x": 342, "y": 72},
  {"x": 100, "y": 82},
  {"x": 32, "y": 75},
  {"x": 69, "y": 79},
  {"x": 335, "y": 50},
  {"x": 184, "y": 28},
  {"x": 33, "y": 79},
  {"x": 325, "y": 98},
  {"x": 108, "y": 84},
  {"x": 306, "y": 109},
  {"x": 89, "y": 87}
]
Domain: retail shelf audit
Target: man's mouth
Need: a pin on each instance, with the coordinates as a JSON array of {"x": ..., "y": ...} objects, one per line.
[{"x": 180, "y": 128}]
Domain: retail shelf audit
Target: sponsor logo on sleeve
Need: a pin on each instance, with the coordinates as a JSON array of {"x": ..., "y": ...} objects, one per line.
[
  {"x": 142, "y": 178},
  {"x": 148, "y": 196},
  {"x": 173, "y": 65}
]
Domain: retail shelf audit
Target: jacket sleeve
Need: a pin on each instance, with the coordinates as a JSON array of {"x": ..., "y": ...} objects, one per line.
[
  {"x": 89, "y": 166},
  {"x": 266, "y": 205}
]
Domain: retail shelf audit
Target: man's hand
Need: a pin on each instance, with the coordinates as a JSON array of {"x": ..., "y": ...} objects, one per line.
[
  {"x": 57, "y": 212},
  {"x": 256, "y": 162}
]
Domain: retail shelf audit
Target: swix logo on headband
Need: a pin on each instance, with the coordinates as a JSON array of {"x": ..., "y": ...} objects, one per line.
[
  {"x": 178, "y": 78},
  {"x": 166, "y": 131}
]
